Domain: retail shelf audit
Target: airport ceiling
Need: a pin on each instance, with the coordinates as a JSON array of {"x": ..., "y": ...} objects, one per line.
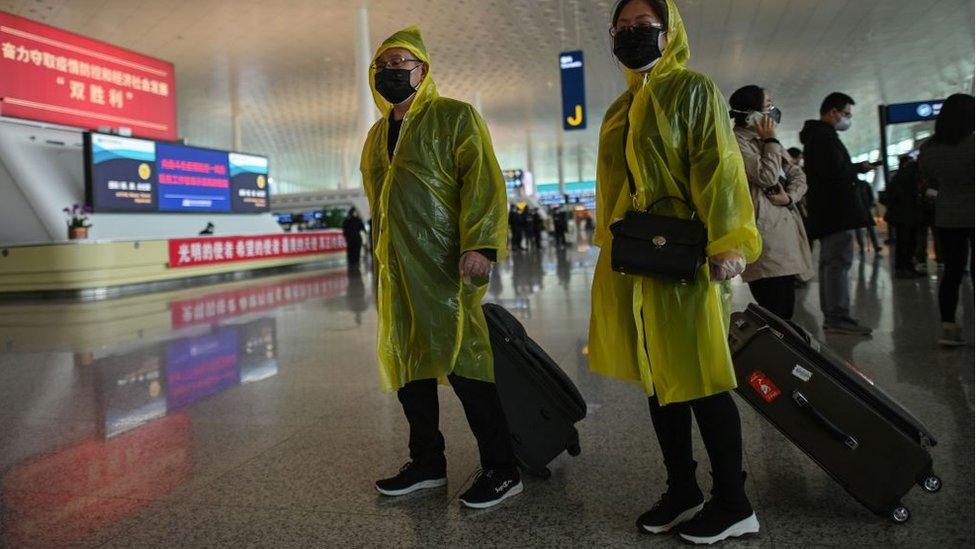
[{"x": 289, "y": 65}]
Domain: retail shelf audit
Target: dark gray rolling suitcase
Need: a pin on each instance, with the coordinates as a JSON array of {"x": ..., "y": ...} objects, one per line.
[
  {"x": 860, "y": 436},
  {"x": 542, "y": 405}
]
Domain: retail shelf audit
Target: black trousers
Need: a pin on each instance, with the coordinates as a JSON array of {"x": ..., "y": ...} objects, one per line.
[
  {"x": 776, "y": 294},
  {"x": 906, "y": 241},
  {"x": 482, "y": 408},
  {"x": 721, "y": 431},
  {"x": 354, "y": 247},
  {"x": 957, "y": 247}
]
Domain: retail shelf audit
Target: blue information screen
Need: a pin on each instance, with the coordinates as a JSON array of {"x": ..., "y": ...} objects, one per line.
[
  {"x": 192, "y": 180},
  {"x": 574, "y": 90},
  {"x": 122, "y": 174},
  {"x": 901, "y": 113}
]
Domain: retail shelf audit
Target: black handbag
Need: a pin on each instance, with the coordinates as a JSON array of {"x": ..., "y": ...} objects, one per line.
[{"x": 646, "y": 244}]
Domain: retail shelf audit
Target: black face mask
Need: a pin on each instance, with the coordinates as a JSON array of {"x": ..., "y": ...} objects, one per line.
[
  {"x": 394, "y": 84},
  {"x": 637, "y": 47}
]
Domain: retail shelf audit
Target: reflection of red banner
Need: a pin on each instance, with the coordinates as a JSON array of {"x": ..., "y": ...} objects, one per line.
[
  {"x": 53, "y": 75},
  {"x": 134, "y": 468},
  {"x": 193, "y": 252},
  {"x": 219, "y": 306}
]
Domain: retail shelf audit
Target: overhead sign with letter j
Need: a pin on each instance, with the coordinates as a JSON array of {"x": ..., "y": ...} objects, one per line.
[{"x": 574, "y": 90}]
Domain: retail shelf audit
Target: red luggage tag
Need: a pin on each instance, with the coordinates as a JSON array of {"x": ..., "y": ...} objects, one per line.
[{"x": 764, "y": 386}]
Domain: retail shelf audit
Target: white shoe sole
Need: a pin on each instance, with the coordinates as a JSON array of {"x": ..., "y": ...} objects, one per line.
[
  {"x": 683, "y": 517},
  {"x": 513, "y": 491},
  {"x": 742, "y": 528},
  {"x": 436, "y": 483}
]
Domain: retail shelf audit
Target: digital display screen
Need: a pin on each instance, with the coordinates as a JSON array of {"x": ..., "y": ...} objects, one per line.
[
  {"x": 582, "y": 192},
  {"x": 249, "y": 182},
  {"x": 125, "y": 174},
  {"x": 191, "y": 179}
]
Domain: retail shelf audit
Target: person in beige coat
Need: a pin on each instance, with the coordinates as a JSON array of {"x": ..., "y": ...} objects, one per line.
[{"x": 777, "y": 185}]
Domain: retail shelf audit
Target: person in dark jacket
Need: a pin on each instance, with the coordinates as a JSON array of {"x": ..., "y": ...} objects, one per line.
[
  {"x": 538, "y": 226},
  {"x": 515, "y": 228},
  {"x": 560, "y": 225},
  {"x": 869, "y": 200},
  {"x": 353, "y": 229},
  {"x": 903, "y": 213},
  {"x": 946, "y": 161},
  {"x": 835, "y": 209}
]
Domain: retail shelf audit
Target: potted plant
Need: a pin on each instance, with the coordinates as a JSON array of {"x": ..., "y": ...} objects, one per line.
[{"x": 77, "y": 219}]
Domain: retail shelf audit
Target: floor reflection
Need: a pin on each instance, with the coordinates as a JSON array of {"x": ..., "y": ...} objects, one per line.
[{"x": 211, "y": 415}]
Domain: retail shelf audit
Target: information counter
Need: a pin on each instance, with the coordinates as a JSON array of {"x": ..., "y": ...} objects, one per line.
[{"x": 88, "y": 268}]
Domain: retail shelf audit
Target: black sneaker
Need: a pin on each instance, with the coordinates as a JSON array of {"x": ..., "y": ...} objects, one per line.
[
  {"x": 491, "y": 488},
  {"x": 716, "y": 522},
  {"x": 670, "y": 511},
  {"x": 410, "y": 479}
]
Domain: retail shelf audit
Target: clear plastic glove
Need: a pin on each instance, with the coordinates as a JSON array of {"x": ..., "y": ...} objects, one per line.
[
  {"x": 931, "y": 193},
  {"x": 726, "y": 266}
]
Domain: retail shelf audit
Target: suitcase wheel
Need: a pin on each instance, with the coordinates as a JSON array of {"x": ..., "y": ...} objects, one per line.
[
  {"x": 931, "y": 484},
  {"x": 574, "y": 445},
  {"x": 900, "y": 515}
]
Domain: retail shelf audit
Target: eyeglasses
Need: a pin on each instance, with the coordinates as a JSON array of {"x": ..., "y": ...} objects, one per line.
[
  {"x": 616, "y": 30},
  {"x": 395, "y": 62}
]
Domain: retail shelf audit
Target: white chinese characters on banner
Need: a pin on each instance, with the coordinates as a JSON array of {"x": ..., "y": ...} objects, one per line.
[{"x": 206, "y": 251}]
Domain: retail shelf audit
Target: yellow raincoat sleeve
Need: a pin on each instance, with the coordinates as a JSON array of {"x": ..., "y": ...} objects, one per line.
[
  {"x": 484, "y": 202},
  {"x": 719, "y": 187}
]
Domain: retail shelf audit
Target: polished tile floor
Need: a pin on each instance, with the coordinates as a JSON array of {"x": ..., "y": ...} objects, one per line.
[{"x": 249, "y": 414}]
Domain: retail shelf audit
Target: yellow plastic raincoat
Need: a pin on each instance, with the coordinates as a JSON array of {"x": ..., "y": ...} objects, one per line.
[
  {"x": 670, "y": 337},
  {"x": 442, "y": 194}
]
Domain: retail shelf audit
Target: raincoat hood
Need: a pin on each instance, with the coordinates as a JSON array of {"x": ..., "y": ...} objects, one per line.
[
  {"x": 409, "y": 39},
  {"x": 675, "y": 55}
]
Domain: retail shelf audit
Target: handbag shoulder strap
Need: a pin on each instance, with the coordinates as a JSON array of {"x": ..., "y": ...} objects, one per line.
[{"x": 630, "y": 176}]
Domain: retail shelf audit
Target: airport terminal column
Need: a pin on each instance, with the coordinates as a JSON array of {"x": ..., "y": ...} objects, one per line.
[{"x": 367, "y": 109}]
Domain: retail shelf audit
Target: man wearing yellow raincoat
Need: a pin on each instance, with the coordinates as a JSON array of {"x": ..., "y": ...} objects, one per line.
[
  {"x": 672, "y": 131},
  {"x": 439, "y": 211}
]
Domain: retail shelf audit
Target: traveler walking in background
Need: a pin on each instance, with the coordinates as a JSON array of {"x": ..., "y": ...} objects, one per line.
[
  {"x": 353, "y": 229},
  {"x": 777, "y": 185},
  {"x": 671, "y": 132},
  {"x": 560, "y": 225},
  {"x": 903, "y": 213},
  {"x": 440, "y": 223},
  {"x": 947, "y": 161},
  {"x": 869, "y": 200},
  {"x": 835, "y": 209},
  {"x": 538, "y": 226},
  {"x": 515, "y": 227}
]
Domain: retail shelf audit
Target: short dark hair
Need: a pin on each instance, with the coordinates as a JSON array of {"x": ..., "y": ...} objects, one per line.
[
  {"x": 836, "y": 100},
  {"x": 955, "y": 121},
  {"x": 795, "y": 152},
  {"x": 660, "y": 6},
  {"x": 746, "y": 99}
]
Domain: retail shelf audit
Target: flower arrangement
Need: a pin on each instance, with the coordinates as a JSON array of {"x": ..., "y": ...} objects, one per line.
[
  {"x": 77, "y": 216},
  {"x": 77, "y": 219}
]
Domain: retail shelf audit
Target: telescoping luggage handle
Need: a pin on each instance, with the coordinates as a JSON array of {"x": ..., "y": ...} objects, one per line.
[{"x": 804, "y": 404}]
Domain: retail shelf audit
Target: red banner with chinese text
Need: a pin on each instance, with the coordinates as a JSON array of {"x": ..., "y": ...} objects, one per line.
[
  {"x": 211, "y": 250},
  {"x": 52, "y": 75}
]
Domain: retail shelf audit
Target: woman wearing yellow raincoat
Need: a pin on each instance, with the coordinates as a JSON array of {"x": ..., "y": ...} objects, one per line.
[
  {"x": 440, "y": 217},
  {"x": 672, "y": 130}
]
